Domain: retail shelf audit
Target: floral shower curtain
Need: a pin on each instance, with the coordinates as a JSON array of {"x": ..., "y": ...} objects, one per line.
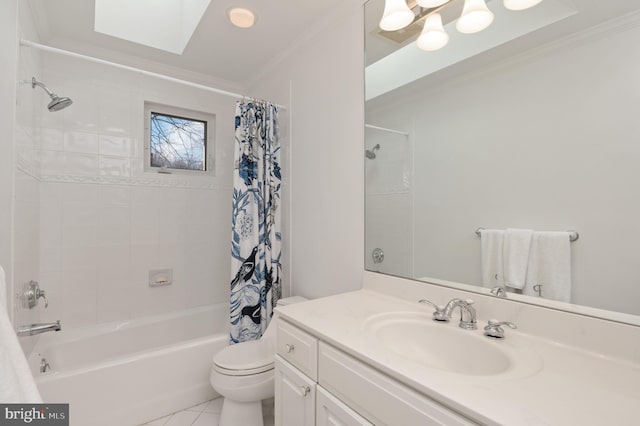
[{"x": 256, "y": 238}]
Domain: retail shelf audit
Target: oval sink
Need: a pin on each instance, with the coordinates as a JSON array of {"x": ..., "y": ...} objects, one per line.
[{"x": 417, "y": 338}]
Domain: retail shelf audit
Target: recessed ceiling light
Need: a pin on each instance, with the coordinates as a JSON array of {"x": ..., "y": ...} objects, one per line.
[{"x": 242, "y": 18}]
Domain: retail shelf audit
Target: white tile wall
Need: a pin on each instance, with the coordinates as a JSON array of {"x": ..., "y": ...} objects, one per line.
[
  {"x": 26, "y": 198},
  {"x": 389, "y": 227},
  {"x": 103, "y": 223},
  {"x": 389, "y": 186}
]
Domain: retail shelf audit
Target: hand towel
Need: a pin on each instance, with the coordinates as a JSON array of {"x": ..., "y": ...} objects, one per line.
[
  {"x": 550, "y": 266},
  {"x": 16, "y": 381},
  {"x": 491, "y": 255},
  {"x": 516, "y": 249}
]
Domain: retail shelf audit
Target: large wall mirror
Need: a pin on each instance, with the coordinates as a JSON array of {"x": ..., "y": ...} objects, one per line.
[{"x": 531, "y": 124}]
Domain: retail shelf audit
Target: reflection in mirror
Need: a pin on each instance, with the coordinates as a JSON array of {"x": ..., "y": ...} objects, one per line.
[{"x": 527, "y": 129}]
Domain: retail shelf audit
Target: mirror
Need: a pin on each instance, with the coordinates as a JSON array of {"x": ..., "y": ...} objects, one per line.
[{"x": 532, "y": 123}]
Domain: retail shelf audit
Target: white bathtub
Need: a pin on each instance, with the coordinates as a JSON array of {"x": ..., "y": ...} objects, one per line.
[{"x": 127, "y": 373}]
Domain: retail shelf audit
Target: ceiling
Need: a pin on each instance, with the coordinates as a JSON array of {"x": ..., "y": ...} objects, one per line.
[{"x": 217, "y": 48}]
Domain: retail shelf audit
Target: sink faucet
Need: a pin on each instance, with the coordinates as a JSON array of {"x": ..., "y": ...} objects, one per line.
[
  {"x": 443, "y": 313},
  {"x": 30, "y": 330},
  {"x": 494, "y": 329}
]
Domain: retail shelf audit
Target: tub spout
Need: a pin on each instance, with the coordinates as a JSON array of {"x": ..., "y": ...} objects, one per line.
[{"x": 30, "y": 330}]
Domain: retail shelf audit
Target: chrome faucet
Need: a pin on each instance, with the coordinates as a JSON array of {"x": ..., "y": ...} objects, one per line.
[
  {"x": 33, "y": 329},
  {"x": 465, "y": 307},
  {"x": 443, "y": 313}
]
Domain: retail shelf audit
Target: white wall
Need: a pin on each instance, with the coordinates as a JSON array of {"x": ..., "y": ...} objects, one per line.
[
  {"x": 548, "y": 143},
  {"x": 104, "y": 223},
  {"x": 321, "y": 80},
  {"x": 8, "y": 67}
]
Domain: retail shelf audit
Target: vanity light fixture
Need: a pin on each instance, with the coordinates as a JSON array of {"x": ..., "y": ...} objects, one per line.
[
  {"x": 433, "y": 35},
  {"x": 431, "y": 3},
  {"x": 475, "y": 17},
  {"x": 396, "y": 16},
  {"x": 241, "y": 17}
]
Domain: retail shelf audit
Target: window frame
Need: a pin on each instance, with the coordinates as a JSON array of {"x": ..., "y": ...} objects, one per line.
[{"x": 186, "y": 114}]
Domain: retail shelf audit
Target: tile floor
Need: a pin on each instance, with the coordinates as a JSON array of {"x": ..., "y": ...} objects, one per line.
[{"x": 205, "y": 414}]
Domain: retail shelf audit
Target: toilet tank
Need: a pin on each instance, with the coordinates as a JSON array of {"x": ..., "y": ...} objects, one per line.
[
  {"x": 270, "y": 332},
  {"x": 291, "y": 300}
]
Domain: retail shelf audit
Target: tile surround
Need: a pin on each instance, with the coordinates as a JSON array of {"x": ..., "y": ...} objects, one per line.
[{"x": 101, "y": 222}]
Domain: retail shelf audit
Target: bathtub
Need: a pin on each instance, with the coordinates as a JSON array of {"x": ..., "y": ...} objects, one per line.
[{"x": 127, "y": 373}]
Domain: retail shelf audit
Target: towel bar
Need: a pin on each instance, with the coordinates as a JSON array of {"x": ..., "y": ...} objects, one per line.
[{"x": 573, "y": 235}]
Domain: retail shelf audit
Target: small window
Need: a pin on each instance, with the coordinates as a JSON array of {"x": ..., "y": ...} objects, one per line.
[{"x": 178, "y": 140}]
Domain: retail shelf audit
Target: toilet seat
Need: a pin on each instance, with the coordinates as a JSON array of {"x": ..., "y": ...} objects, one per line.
[{"x": 246, "y": 358}]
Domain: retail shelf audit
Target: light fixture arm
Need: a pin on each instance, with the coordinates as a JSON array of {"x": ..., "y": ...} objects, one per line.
[{"x": 414, "y": 3}]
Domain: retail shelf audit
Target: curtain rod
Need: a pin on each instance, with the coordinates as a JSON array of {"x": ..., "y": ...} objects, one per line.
[
  {"x": 384, "y": 129},
  {"x": 46, "y": 48}
]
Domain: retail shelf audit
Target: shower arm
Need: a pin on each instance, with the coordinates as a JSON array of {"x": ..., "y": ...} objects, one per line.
[{"x": 35, "y": 83}]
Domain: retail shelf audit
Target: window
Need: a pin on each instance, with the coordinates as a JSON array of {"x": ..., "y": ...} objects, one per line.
[{"x": 178, "y": 140}]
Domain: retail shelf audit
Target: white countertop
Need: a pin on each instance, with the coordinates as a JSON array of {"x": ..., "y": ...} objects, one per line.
[{"x": 551, "y": 383}]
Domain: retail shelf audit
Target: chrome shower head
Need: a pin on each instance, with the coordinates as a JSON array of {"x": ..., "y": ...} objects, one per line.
[
  {"x": 371, "y": 153},
  {"x": 57, "y": 103}
]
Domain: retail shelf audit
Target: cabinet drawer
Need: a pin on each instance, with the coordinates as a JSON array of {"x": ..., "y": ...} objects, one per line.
[
  {"x": 299, "y": 348},
  {"x": 377, "y": 397}
]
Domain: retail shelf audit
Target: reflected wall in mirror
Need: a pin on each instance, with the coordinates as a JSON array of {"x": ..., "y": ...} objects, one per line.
[{"x": 531, "y": 124}]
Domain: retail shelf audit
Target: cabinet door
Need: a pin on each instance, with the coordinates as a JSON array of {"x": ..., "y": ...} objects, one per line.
[
  {"x": 295, "y": 396},
  {"x": 330, "y": 411}
]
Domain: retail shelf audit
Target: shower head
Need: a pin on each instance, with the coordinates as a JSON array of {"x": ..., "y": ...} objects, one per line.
[
  {"x": 57, "y": 103},
  {"x": 371, "y": 153}
]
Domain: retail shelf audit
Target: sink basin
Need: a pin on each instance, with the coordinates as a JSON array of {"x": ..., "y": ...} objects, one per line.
[{"x": 443, "y": 346}]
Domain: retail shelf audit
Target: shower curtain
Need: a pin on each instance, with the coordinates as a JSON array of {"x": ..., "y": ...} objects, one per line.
[{"x": 256, "y": 238}]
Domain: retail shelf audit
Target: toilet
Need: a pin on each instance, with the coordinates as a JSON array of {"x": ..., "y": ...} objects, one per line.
[{"x": 243, "y": 374}]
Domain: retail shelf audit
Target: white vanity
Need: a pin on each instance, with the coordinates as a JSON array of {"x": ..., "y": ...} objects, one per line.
[{"x": 366, "y": 357}]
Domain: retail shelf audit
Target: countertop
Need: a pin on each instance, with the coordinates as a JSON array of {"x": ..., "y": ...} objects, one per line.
[{"x": 550, "y": 384}]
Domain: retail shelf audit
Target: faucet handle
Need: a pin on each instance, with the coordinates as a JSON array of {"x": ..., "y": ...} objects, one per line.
[
  {"x": 40, "y": 294},
  {"x": 499, "y": 291},
  {"x": 438, "y": 314},
  {"x": 494, "y": 328},
  {"x": 31, "y": 292}
]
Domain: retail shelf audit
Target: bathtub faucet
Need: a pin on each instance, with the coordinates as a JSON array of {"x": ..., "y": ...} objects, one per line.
[{"x": 30, "y": 330}]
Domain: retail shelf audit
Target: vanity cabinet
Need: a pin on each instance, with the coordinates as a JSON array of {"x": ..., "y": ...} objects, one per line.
[
  {"x": 330, "y": 411},
  {"x": 321, "y": 385},
  {"x": 295, "y": 396}
]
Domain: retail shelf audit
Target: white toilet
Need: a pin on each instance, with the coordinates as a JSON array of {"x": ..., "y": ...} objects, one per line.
[{"x": 243, "y": 375}]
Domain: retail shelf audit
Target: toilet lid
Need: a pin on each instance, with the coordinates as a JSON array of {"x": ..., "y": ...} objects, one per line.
[{"x": 246, "y": 358}]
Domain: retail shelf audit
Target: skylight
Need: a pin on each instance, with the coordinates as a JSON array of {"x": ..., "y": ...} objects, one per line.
[{"x": 167, "y": 25}]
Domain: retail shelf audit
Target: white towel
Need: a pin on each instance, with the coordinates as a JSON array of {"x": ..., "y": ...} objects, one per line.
[
  {"x": 491, "y": 254},
  {"x": 516, "y": 249},
  {"x": 550, "y": 266},
  {"x": 16, "y": 381}
]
